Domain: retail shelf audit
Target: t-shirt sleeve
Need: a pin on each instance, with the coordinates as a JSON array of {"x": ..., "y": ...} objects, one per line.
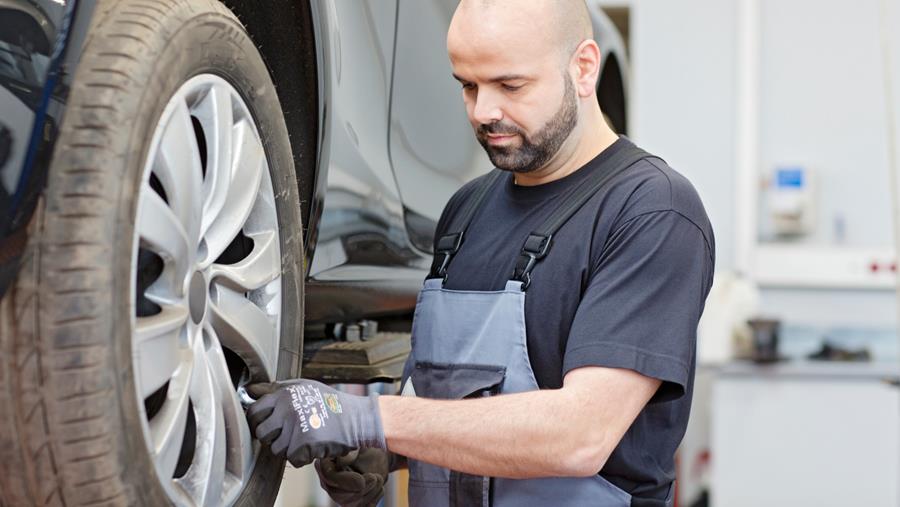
[{"x": 643, "y": 302}]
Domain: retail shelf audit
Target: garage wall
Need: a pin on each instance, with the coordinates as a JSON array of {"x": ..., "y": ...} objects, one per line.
[
  {"x": 821, "y": 104},
  {"x": 683, "y": 97}
]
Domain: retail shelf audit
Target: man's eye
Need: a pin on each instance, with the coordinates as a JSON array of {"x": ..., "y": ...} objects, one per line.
[
  {"x": 468, "y": 86},
  {"x": 511, "y": 88}
]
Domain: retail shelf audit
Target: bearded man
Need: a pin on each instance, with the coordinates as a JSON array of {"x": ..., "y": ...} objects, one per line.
[{"x": 554, "y": 340}]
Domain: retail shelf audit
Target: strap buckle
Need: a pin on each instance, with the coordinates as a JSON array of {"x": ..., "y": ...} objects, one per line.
[
  {"x": 535, "y": 249},
  {"x": 537, "y": 245},
  {"x": 529, "y": 264},
  {"x": 526, "y": 281},
  {"x": 442, "y": 271},
  {"x": 448, "y": 245}
]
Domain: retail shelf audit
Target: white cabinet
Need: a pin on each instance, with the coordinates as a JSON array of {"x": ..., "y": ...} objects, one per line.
[{"x": 806, "y": 435}]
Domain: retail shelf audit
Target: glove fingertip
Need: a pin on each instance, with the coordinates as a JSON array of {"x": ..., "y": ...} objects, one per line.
[
  {"x": 267, "y": 434},
  {"x": 259, "y": 412},
  {"x": 326, "y": 466},
  {"x": 261, "y": 389},
  {"x": 300, "y": 457},
  {"x": 348, "y": 459}
]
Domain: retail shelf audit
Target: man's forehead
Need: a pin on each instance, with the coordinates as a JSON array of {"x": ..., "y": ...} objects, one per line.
[
  {"x": 491, "y": 58},
  {"x": 495, "y": 66}
]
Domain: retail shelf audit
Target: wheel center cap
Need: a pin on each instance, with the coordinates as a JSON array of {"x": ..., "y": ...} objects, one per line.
[{"x": 197, "y": 297}]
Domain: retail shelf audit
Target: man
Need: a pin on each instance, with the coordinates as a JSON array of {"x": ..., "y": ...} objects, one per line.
[{"x": 574, "y": 352}]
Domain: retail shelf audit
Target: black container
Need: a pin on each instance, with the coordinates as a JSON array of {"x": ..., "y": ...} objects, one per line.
[{"x": 765, "y": 339}]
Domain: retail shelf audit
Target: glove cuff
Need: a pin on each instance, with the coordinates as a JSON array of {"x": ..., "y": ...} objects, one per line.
[{"x": 374, "y": 437}]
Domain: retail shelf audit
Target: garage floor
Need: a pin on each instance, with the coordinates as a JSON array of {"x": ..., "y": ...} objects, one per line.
[{"x": 300, "y": 488}]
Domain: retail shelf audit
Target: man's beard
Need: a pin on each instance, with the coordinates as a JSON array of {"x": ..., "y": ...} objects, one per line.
[{"x": 535, "y": 152}]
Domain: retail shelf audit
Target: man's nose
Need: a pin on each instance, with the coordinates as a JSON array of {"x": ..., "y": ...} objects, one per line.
[{"x": 487, "y": 108}]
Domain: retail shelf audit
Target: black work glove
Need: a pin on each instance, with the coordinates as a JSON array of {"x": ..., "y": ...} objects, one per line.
[
  {"x": 355, "y": 480},
  {"x": 302, "y": 420}
]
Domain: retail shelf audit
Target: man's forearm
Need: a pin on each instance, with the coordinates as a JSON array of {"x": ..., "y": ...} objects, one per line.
[{"x": 534, "y": 434}]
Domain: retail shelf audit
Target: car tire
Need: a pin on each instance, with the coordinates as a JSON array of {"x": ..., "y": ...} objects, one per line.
[{"x": 73, "y": 428}]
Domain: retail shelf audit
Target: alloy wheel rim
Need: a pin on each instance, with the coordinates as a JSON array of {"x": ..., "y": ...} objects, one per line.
[{"x": 206, "y": 291}]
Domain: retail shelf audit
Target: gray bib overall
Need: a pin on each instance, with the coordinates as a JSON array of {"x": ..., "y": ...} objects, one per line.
[{"x": 471, "y": 343}]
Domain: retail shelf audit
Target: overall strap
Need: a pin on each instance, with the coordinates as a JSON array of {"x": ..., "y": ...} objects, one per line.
[
  {"x": 538, "y": 243},
  {"x": 449, "y": 243}
]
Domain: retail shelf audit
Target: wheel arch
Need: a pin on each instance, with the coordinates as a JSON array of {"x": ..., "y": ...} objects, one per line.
[
  {"x": 284, "y": 33},
  {"x": 611, "y": 94},
  {"x": 613, "y": 83}
]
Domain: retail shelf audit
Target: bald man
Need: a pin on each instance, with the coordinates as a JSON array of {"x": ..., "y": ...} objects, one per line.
[{"x": 554, "y": 339}]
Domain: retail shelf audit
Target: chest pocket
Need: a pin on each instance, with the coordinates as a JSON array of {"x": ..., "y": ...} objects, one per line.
[
  {"x": 444, "y": 381},
  {"x": 433, "y": 485}
]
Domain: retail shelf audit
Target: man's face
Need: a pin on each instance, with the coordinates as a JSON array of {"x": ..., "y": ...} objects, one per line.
[
  {"x": 519, "y": 97},
  {"x": 513, "y": 149}
]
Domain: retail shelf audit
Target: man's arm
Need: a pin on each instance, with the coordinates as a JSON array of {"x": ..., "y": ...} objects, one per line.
[{"x": 567, "y": 432}]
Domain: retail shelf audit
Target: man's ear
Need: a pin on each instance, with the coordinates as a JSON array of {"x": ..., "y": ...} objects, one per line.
[{"x": 585, "y": 65}]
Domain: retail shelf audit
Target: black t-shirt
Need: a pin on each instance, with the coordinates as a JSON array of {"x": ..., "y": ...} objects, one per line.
[{"x": 623, "y": 286}]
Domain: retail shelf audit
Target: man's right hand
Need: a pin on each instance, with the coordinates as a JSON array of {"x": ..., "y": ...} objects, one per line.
[{"x": 357, "y": 479}]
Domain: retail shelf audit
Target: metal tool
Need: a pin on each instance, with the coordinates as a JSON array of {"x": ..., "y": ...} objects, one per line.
[{"x": 244, "y": 397}]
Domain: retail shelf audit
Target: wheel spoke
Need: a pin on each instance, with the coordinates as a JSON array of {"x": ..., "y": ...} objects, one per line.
[
  {"x": 259, "y": 268},
  {"x": 247, "y": 170},
  {"x": 179, "y": 169},
  {"x": 203, "y": 480},
  {"x": 239, "y": 448},
  {"x": 244, "y": 328},
  {"x": 216, "y": 116},
  {"x": 156, "y": 351},
  {"x": 162, "y": 232},
  {"x": 168, "y": 426}
]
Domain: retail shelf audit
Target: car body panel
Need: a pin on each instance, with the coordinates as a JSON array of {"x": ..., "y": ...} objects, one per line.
[
  {"x": 35, "y": 73},
  {"x": 359, "y": 238},
  {"x": 432, "y": 145},
  {"x": 361, "y": 221}
]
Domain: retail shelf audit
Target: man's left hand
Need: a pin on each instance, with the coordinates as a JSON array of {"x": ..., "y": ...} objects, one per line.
[
  {"x": 302, "y": 420},
  {"x": 355, "y": 480}
]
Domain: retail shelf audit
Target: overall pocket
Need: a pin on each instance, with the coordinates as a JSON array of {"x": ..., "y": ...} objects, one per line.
[
  {"x": 430, "y": 484},
  {"x": 446, "y": 381}
]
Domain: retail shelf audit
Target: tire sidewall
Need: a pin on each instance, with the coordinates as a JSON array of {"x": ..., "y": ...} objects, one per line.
[{"x": 201, "y": 41}]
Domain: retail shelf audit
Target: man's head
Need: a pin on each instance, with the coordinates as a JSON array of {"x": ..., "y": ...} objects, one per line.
[{"x": 528, "y": 70}]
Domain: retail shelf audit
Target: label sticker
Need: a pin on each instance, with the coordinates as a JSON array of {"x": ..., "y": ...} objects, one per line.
[{"x": 331, "y": 400}]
